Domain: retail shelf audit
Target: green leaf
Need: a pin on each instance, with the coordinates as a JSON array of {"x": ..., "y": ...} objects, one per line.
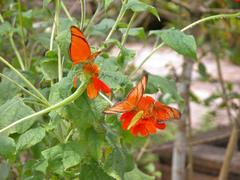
[
  {"x": 41, "y": 166},
  {"x": 73, "y": 153},
  {"x": 102, "y": 27},
  {"x": 107, "y": 3},
  {"x": 53, "y": 152},
  {"x": 203, "y": 71},
  {"x": 69, "y": 154},
  {"x": 30, "y": 138},
  {"x": 81, "y": 112},
  {"x": 139, "y": 6},
  {"x": 5, "y": 85},
  {"x": 27, "y": 18},
  {"x": 95, "y": 142},
  {"x": 62, "y": 89},
  {"x": 8, "y": 146},
  {"x": 5, "y": 28},
  {"x": 49, "y": 67},
  {"x": 135, "y": 32},
  {"x": 178, "y": 41},
  {"x": 118, "y": 162},
  {"x": 12, "y": 111},
  {"x": 166, "y": 86},
  {"x": 114, "y": 79},
  {"x": 136, "y": 174},
  {"x": 4, "y": 170},
  {"x": 93, "y": 171}
]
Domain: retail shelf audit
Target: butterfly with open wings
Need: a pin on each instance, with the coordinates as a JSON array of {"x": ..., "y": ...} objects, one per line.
[
  {"x": 142, "y": 114},
  {"x": 80, "y": 52}
]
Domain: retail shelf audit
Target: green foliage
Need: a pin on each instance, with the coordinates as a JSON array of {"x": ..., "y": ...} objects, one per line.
[
  {"x": 93, "y": 171},
  {"x": 166, "y": 86},
  {"x": 136, "y": 174},
  {"x": 136, "y": 32},
  {"x": 12, "y": 111},
  {"x": 30, "y": 138},
  {"x": 9, "y": 146},
  {"x": 178, "y": 41},
  {"x": 139, "y": 6}
]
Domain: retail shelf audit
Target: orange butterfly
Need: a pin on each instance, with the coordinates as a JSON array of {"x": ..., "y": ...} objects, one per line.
[
  {"x": 80, "y": 52},
  {"x": 79, "y": 49},
  {"x": 142, "y": 114}
]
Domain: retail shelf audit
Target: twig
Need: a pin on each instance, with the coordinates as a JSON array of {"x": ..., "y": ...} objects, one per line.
[
  {"x": 224, "y": 92},
  {"x": 231, "y": 147},
  {"x": 143, "y": 149}
]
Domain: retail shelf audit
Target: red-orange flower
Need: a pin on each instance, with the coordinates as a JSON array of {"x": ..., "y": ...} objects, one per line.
[
  {"x": 95, "y": 85},
  {"x": 142, "y": 114},
  {"x": 145, "y": 124}
]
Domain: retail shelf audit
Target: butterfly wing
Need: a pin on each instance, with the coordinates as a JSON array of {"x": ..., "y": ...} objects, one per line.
[
  {"x": 79, "y": 49},
  {"x": 132, "y": 99},
  {"x": 162, "y": 112}
]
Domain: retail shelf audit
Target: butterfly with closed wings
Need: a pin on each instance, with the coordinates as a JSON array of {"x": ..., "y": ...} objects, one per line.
[
  {"x": 142, "y": 114},
  {"x": 80, "y": 52}
]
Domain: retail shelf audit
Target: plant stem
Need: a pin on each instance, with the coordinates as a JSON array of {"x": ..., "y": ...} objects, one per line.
[
  {"x": 25, "y": 80},
  {"x": 20, "y": 61},
  {"x": 22, "y": 33},
  {"x": 66, "y": 11},
  {"x": 128, "y": 28},
  {"x": 92, "y": 19},
  {"x": 21, "y": 87},
  {"x": 106, "y": 98},
  {"x": 119, "y": 18},
  {"x": 64, "y": 102},
  {"x": 68, "y": 136},
  {"x": 55, "y": 23},
  {"x": 83, "y": 13},
  {"x": 52, "y": 37},
  {"x": 224, "y": 91},
  {"x": 231, "y": 147},
  {"x": 60, "y": 70},
  {"x": 214, "y": 17},
  {"x": 143, "y": 149}
]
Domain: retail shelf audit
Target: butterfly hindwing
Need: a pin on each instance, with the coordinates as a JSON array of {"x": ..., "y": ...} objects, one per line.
[{"x": 162, "y": 112}]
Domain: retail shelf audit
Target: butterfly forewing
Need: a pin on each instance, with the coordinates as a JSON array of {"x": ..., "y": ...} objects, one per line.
[
  {"x": 132, "y": 99},
  {"x": 79, "y": 49}
]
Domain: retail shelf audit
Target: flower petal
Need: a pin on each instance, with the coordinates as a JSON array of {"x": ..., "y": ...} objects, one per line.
[
  {"x": 100, "y": 85},
  {"x": 92, "y": 92},
  {"x": 126, "y": 119},
  {"x": 143, "y": 131},
  {"x": 160, "y": 125},
  {"x": 151, "y": 127}
]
